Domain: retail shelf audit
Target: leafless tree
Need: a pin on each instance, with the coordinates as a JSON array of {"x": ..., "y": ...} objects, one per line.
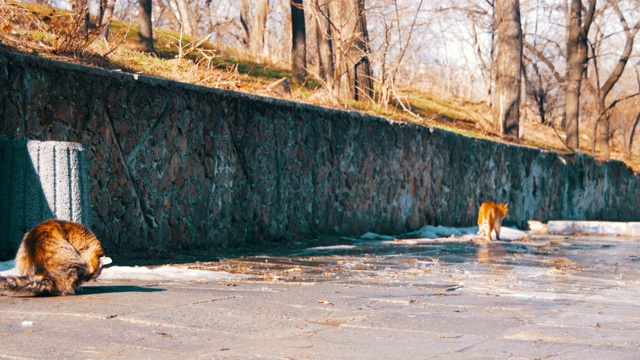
[
  {"x": 254, "y": 22},
  {"x": 183, "y": 14},
  {"x": 542, "y": 88},
  {"x": 324, "y": 34},
  {"x": 219, "y": 21},
  {"x": 632, "y": 112},
  {"x": 632, "y": 133},
  {"x": 397, "y": 22},
  {"x": 299, "y": 43},
  {"x": 450, "y": 47},
  {"x": 541, "y": 52},
  {"x": 477, "y": 21},
  {"x": 105, "y": 15},
  {"x": 576, "y": 65},
  {"x": 145, "y": 32},
  {"x": 506, "y": 107},
  {"x": 602, "y": 91},
  {"x": 349, "y": 46}
]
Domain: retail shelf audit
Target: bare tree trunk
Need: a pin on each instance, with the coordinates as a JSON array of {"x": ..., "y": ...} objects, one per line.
[
  {"x": 363, "y": 79},
  {"x": 354, "y": 79},
  {"x": 632, "y": 135},
  {"x": 299, "y": 45},
  {"x": 576, "y": 66},
  {"x": 184, "y": 13},
  {"x": 254, "y": 25},
  {"x": 523, "y": 93},
  {"x": 245, "y": 21},
  {"x": 492, "y": 57},
  {"x": 339, "y": 33},
  {"x": 106, "y": 13},
  {"x": 258, "y": 24},
  {"x": 506, "y": 107},
  {"x": 325, "y": 43},
  {"x": 145, "y": 32},
  {"x": 600, "y": 108}
]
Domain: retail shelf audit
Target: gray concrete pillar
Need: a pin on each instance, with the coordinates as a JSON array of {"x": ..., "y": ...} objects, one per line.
[{"x": 40, "y": 180}]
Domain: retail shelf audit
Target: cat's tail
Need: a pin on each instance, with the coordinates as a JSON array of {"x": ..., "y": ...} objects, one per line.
[{"x": 37, "y": 285}]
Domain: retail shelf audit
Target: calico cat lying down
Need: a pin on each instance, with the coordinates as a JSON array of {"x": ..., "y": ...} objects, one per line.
[{"x": 55, "y": 258}]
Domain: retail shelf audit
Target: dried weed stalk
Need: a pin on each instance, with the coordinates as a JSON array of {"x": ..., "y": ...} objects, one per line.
[
  {"x": 73, "y": 30},
  {"x": 12, "y": 12}
]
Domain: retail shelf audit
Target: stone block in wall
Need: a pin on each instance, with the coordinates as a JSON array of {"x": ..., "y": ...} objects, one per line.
[
  {"x": 39, "y": 180},
  {"x": 178, "y": 167}
]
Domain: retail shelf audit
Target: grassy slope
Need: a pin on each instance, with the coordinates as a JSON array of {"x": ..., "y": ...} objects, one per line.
[{"x": 42, "y": 31}]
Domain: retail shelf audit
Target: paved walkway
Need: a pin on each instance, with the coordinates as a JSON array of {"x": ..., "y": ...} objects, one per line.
[{"x": 540, "y": 297}]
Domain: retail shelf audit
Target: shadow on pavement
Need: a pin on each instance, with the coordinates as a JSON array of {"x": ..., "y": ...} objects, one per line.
[{"x": 103, "y": 289}]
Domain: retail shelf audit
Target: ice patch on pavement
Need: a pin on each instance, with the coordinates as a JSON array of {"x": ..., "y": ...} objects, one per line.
[{"x": 177, "y": 273}]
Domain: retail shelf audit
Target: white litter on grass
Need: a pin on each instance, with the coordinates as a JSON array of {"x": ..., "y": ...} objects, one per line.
[{"x": 165, "y": 273}]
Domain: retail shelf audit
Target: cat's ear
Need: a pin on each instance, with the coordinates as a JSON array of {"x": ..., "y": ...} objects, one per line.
[{"x": 105, "y": 260}]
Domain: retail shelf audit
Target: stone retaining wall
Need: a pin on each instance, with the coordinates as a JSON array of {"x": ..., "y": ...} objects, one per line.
[{"x": 174, "y": 166}]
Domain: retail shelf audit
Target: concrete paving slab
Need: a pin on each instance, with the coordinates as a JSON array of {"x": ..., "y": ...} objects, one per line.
[{"x": 543, "y": 296}]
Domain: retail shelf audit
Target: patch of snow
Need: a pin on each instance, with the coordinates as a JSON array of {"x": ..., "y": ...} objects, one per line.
[
  {"x": 334, "y": 247},
  {"x": 165, "y": 273},
  {"x": 7, "y": 265},
  {"x": 439, "y": 231},
  {"x": 425, "y": 241},
  {"x": 511, "y": 234},
  {"x": 428, "y": 231},
  {"x": 144, "y": 273},
  {"x": 7, "y": 268},
  {"x": 374, "y": 236},
  {"x": 537, "y": 226}
]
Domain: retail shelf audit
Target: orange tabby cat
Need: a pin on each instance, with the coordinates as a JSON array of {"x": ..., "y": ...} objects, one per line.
[
  {"x": 55, "y": 257},
  {"x": 490, "y": 218}
]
